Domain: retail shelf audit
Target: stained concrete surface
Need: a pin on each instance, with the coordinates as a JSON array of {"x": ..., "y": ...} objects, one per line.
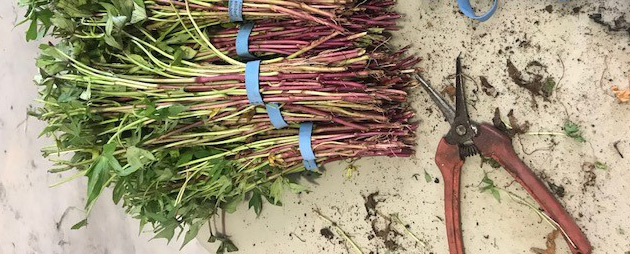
[{"x": 582, "y": 56}]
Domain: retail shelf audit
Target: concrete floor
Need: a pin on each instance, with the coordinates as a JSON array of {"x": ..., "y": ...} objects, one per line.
[{"x": 552, "y": 33}]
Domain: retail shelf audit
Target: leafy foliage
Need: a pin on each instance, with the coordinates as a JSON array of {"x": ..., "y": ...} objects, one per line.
[
  {"x": 572, "y": 130},
  {"x": 488, "y": 185}
]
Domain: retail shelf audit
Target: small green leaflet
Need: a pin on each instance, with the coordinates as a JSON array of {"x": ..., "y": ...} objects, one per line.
[
  {"x": 601, "y": 165},
  {"x": 490, "y": 186},
  {"x": 427, "y": 177},
  {"x": 79, "y": 224},
  {"x": 296, "y": 188},
  {"x": 276, "y": 190},
  {"x": 193, "y": 230},
  {"x": 572, "y": 130},
  {"x": 256, "y": 202}
]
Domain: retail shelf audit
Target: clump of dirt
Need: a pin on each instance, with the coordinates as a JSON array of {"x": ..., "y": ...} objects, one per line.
[
  {"x": 370, "y": 205},
  {"x": 387, "y": 234},
  {"x": 534, "y": 78},
  {"x": 556, "y": 189},
  {"x": 516, "y": 126},
  {"x": 616, "y": 25},
  {"x": 590, "y": 178},
  {"x": 382, "y": 226},
  {"x": 549, "y": 8},
  {"x": 487, "y": 88},
  {"x": 325, "y": 232}
]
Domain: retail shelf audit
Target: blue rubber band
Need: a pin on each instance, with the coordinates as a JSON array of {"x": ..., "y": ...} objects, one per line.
[
  {"x": 275, "y": 117},
  {"x": 308, "y": 157},
  {"x": 252, "y": 86},
  {"x": 235, "y": 10},
  {"x": 464, "y": 6},
  {"x": 252, "y": 69},
  {"x": 242, "y": 41}
]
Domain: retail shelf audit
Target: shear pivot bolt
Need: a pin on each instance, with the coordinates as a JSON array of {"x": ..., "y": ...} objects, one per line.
[{"x": 461, "y": 130}]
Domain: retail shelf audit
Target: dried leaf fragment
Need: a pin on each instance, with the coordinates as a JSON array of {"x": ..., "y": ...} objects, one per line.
[
  {"x": 551, "y": 244},
  {"x": 622, "y": 95}
]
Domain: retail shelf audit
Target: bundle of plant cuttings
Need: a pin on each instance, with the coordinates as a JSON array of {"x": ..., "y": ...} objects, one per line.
[{"x": 153, "y": 99}]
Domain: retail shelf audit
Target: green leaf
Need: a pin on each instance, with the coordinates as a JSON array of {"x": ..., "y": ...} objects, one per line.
[
  {"x": 175, "y": 109},
  {"x": 188, "y": 52},
  {"x": 109, "y": 25},
  {"x": 256, "y": 202},
  {"x": 167, "y": 232},
  {"x": 63, "y": 23},
  {"x": 111, "y": 41},
  {"x": 119, "y": 22},
  {"x": 192, "y": 232},
  {"x": 601, "y": 165},
  {"x": 230, "y": 207},
  {"x": 427, "y": 177},
  {"x": 79, "y": 224},
  {"x": 572, "y": 130},
  {"x": 31, "y": 33},
  {"x": 296, "y": 188},
  {"x": 139, "y": 13},
  {"x": 496, "y": 194},
  {"x": 185, "y": 158},
  {"x": 119, "y": 191},
  {"x": 276, "y": 190},
  {"x": 96, "y": 179}
]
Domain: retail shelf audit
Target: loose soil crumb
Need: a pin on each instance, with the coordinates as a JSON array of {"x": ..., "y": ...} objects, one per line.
[
  {"x": 537, "y": 84},
  {"x": 370, "y": 205},
  {"x": 325, "y": 232}
]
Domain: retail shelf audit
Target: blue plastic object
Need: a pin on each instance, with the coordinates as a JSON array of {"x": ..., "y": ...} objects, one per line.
[
  {"x": 252, "y": 86},
  {"x": 464, "y": 6},
  {"x": 235, "y": 10},
  {"x": 308, "y": 156},
  {"x": 242, "y": 41}
]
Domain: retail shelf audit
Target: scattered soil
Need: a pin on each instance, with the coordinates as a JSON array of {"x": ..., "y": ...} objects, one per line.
[
  {"x": 382, "y": 226},
  {"x": 370, "y": 205},
  {"x": 325, "y": 232},
  {"x": 517, "y": 128},
  {"x": 487, "y": 88},
  {"x": 549, "y": 8},
  {"x": 534, "y": 78},
  {"x": 616, "y": 25},
  {"x": 387, "y": 234},
  {"x": 590, "y": 178},
  {"x": 556, "y": 189}
]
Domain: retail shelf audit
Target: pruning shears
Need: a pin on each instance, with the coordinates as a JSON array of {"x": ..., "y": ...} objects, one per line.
[{"x": 467, "y": 138}]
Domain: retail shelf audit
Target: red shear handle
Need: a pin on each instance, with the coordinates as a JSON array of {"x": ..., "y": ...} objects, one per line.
[
  {"x": 447, "y": 159},
  {"x": 493, "y": 143}
]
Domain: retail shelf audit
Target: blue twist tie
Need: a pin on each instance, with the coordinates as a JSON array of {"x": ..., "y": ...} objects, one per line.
[
  {"x": 464, "y": 6},
  {"x": 252, "y": 86},
  {"x": 308, "y": 157},
  {"x": 235, "y": 10},
  {"x": 275, "y": 117},
  {"x": 242, "y": 41},
  {"x": 252, "y": 69}
]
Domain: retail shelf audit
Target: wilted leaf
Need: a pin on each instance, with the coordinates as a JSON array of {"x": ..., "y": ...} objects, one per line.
[{"x": 622, "y": 95}]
